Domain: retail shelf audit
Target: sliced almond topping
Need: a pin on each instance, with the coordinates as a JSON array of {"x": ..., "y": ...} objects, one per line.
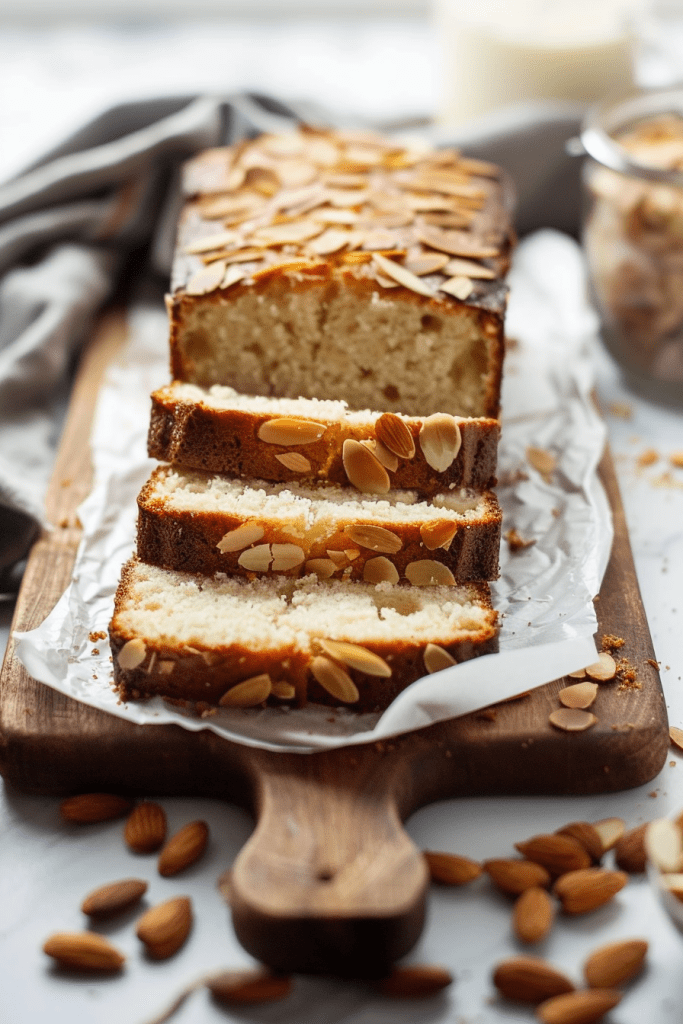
[
  {"x": 468, "y": 268},
  {"x": 440, "y": 441},
  {"x": 581, "y": 695},
  {"x": 676, "y": 736},
  {"x": 402, "y": 276},
  {"x": 386, "y": 282},
  {"x": 374, "y": 537},
  {"x": 604, "y": 669},
  {"x": 247, "y": 694},
  {"x": 329, "y": 215},
  {"x": 438, "y": 534},
  {"x": 334, "y": 679},
  {"x": 323, "y": 568},
  {"x": 380, "y": 570},
  {"x": 382, "y": 454},
  {"x": 295, "y": 461},
  {"x": 664, "y": 844},
  {"x": 459, "y": 287},
  {"x": 610, "y": 831},
  {"x": 428, "y": 573},
  {"x": 338, "y": 557},
  {"x": 207, "y": 279},
  {"x": 436, "y": 658},
  {"x": 233, "y": 274},
  {"x": 351, "y": 553},
  {"x": 256, "y": 559},
  {"x": 286, "y": 556},
  {"x": 329, "y": 242},
  {"x": 579, "y": 674},
  {"x": 283, "y": 691},
  {"x": 240, "y": 538},
  {"x": 379, "y": 239},
  {"x": 210, "y": 242},
  {"x": 292, "y": 232},
  {"x": 290, "y": 431},
  {"x": 363, "y": 470},
  {"x": 572, "y": 719},
  {"x": 395, "y": 435},
  {"x": 356, "y": 657},
  {"x": 132, "y": 654},
  {"x": 455, "y": 243},
  {"x": 243, "y": 255},
  {"x": 426, "y": 263},
  {"x": 296, "y": 173}
]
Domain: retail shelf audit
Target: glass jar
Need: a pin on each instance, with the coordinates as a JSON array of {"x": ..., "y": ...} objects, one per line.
[{"x": 633, "y": 231}]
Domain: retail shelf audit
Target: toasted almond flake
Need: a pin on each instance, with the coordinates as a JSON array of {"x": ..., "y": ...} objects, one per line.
[
  {"x": 426, "y": 263},
  {"x": 469, "y": 268},
  {"x": 286, "y": 556},
  {"x": 455, "y": 243},
  {"x": 436, "y": 658},
  {"x": 231, "y": 207},
  {"x": 292, "y": 232},
  {"x": 395, "y": 435},
  {"x": 610, "y": 831},
  {"x": 382, "y": 454},
  {"x": 256, "y": 559},
  {"x": 331, "y": 215},
  {"x": 604, "y": 669},
  {"x": 290, "y": 431},
  {"x": 323, "y": 568},
  {"x": 459, "y": 287},
  {"x": 207, "y": 279},
  {"x": 676, "y": 736},
  {"x": 454, "y": 219},
  {"x": 572, "y": 719},
  {"x": 295, "y": 461},
  {"x": 244, "y": 255},
  {"x": 356, "y": 657},
  {"x": 335, "y": 180},
  {"x": 402, "y": 276},
  {"x": 356, "y": 257},
  {"x": 338, "y": 557},
  {"x": 386, "y": 282},
  {"x": 480, "y": 168},
  {"x": 298, "y": 266},
  {"x": 347, "y": 197},
  {"x": 233, "y": 274},
  {"x": 542, "y": 460},
  {"x": 351, "y": 553},
  {"x": 166, "y": 667},
  {"x": 240, "y": 538},
  {"x": 440, "y": 441},
  {"x": 579, "y": 674},
  {"x": 363, "y": 470},
  {"x": 581, "y": 695},
  {"x": 380, "y": 570},
  {"x": 218, "y": 241},
  {"x": 132, "y": 654},
  {"x": 296, "y": 173},
  {"x": 283, "y": 691},
  {"x": 376, "y": 538},
  {"x": 330, "y": 241},
  {"x": 438, "y": 534},
  {"x": 334, "y": 679},
  {"x": 378, "y": 239},
  {"x": 428, "y": 573},
  {"x": 248, "y": 694},
  {"x": 664, "y": 845}
]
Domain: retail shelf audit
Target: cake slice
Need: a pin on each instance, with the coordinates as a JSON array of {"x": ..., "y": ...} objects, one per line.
[
  {"x": 199, "y": 522},
  {"x": 343, "y": 265},
  {"x": 219, "y": 430},
  {"x": 241, "y": 643}
]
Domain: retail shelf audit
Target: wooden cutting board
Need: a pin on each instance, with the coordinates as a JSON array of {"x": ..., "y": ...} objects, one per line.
[{"x": 329, "y": 881}]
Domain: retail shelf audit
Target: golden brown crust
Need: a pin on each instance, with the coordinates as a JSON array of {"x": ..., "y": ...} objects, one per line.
[{"x": 197, "y": 435}]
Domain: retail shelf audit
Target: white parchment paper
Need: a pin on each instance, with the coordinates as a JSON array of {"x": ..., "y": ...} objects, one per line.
[{"x": 545, "y": 591}]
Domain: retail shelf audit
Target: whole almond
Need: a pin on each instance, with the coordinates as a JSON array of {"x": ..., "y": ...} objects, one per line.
[
  {"x": 528, "y": 979},
  {"x": 415, "y": 981},
  {"x": 395, "y": 435},
  {"x": 112, "y": 898},
  {"x": 452, "y": 869},
  {"x": 579, "y": 892},
  {"x": 533, "y": 915},
  {"x": 516, "y": 876},
  {"x": 629, "y": 852},
  {"x": 556, "y": 853},
  {"x": 164, "y": 928},
  {"x": 183, "y": 848},
  {"x": 578, "y": 1007},
  {"x": 84, "y": 951},
  {"x": 145, "y": 828},
  {"x": 89, "y": 808},
  {"x": 587, "y": 835},
  {"x": 256, "y": 986},
  {"x": 613, "y": 964}
]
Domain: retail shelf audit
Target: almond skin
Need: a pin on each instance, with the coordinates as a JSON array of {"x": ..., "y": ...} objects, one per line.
[
  {"x": 579, "y": 892},
  {"x": 415, "y": 981},
  {"x": 515, "y": 876},
  {"x": 88, "y": 808},
  {"x": 613, "y": 964},
  {"x": 586, "y": 835},
  {"x": 451, "y": 869},
  {"x": 557, "y": 854},
  {"x": 113, "y": 898},
  {"x": 257, "y": 986},
  {"x": 164, "y": 928},
  {"x": 145, "y": 828},
  {"x": 578, "y": 1007},
  {"x": 629, "y": 852},
  {"x": 528, "y": 979},
  {"x": 84, "y": 951},
  {"x": 183, "y": 848},
  {"x": 533, "y": 915}
]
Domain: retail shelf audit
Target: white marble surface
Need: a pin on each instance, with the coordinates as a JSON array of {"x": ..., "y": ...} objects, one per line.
[{"x": 47, "y": 868}]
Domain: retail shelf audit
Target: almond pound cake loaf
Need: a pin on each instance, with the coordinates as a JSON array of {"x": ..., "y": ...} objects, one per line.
[
  {"x": 218, "y": 430},
  {"x": 205, "y": 523},
  {"x": 343, "y": 265},
  {"x": 230, "y": 642}
]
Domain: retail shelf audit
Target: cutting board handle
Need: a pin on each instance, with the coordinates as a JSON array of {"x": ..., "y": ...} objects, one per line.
[{"x": 329, "y": 881}]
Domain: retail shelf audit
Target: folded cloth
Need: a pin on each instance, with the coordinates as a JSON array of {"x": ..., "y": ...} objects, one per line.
[{"x": 72, "y": 224}]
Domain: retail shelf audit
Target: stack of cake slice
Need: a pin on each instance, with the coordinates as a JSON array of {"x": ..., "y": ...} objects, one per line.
[{"x": 296, "y": 545}]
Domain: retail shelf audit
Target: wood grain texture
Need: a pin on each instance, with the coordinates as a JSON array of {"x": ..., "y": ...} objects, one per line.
[{"x": 329, "y": 881}]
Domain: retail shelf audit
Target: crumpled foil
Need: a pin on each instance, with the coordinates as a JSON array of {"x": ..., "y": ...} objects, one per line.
[{"x": 545, "y": 591}]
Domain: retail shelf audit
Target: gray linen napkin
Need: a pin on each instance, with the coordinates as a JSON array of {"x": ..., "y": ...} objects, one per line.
[{"x": 72, "y": 225}]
